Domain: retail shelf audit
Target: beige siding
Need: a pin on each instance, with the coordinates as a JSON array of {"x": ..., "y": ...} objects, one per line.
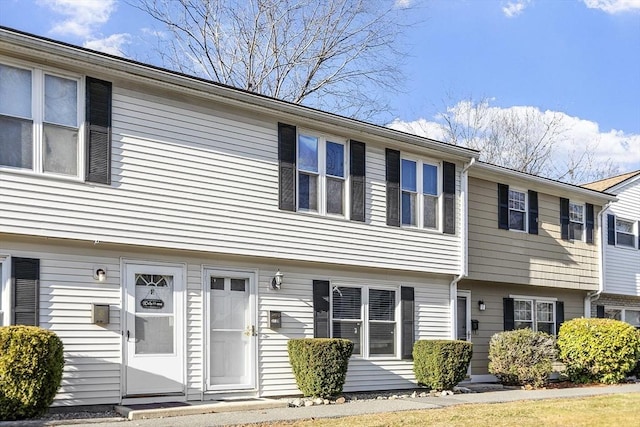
[
  {"x": 515, "y": 257},
  {"x": 622, "y": 264},
  {"x": 200, "y": 178},
  {"x": 491, "y": 321}
]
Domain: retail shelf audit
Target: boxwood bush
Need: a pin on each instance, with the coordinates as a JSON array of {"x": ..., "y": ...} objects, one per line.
[
  {"x": 598, "y": 350},
  {"x": 522, "y": 357},
  {"x": 441, "y": 364},
  {"x": 320, "y": 364},
  {"x": 31, "y": 363}
]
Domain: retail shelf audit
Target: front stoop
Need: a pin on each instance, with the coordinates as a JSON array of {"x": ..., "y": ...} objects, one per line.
[{"x": 175, "y": 409}]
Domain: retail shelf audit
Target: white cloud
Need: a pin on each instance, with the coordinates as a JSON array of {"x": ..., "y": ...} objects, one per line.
[
  {"x": 513, "y": 9},
  {"x": 81, "y": 16},
  {"x": 403, "y": 4},
  {"x": 112, "y": 44},
  {"x": 614, "y": 6},
  {"x": 578, "y": 135}
]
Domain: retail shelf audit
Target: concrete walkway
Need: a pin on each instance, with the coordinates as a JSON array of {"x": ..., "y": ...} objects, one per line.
[{"x": 247, "y": 414}]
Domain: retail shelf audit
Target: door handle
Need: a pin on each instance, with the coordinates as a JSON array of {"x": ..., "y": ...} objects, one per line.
[{"x": 128, "y": 335}]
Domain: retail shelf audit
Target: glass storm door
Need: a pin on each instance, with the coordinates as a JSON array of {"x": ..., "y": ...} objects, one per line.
[
  {"x": 232, "y": 331},
  {"x": 463, "y": 314},
  {"x": 153, "y": 330}
]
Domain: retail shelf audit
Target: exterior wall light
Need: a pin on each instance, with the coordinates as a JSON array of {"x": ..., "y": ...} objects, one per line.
[
  {"x": 276, "y": 282},
  {"x": 481, "y": 305},
  {"x": 100, "y": 274}
]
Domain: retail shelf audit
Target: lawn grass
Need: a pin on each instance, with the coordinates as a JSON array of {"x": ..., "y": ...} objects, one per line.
[{"x": 597, "y": 411}]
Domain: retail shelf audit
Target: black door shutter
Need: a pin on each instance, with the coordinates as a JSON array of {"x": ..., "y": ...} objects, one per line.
[
  {"x": 564, "y": 218},
  {"x": 98, "y": 133},
  {"x": 559, "y": 315},
  {"x": 507, "y": 308},
  {"x": 321, "y": 309},
  {"x": 611, "y": 229},
  {"x": 600, "y": 311},
  {"x": 287, "y": 166},
  {"x": 393, "y": 187},
  {"x": 589, "y": 222},
  {"x": 357, "y": 158},
  {"x": 503, "y": 206},
  {"x": 408, "y": 315},
  {"x": 449, "y": 193},
  {"x": 25, "y": 280},
  {"x": 533, "y": 212}
]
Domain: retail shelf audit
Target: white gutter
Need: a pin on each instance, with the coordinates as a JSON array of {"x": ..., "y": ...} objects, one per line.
[
  {"x": 593, "y": 296},
  {"x": 453, "y": 286}
]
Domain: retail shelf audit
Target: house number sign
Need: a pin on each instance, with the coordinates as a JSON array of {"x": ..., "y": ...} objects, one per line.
[{"x": 152, "y": 303}]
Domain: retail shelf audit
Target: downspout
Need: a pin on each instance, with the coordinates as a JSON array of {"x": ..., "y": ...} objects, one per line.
[
  {"x": 593, "y": 296},
  {"x": 453, "y": 286}
]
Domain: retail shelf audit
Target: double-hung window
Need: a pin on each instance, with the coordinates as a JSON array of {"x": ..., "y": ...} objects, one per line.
[
  {"x": 538, "y": 315},
  {"x": 576, "y": 221},
  {"x": 629, "y": 315},
  {"x": 40, "y": 116},
  {"x": 420, "y": 194},
  {"x": 321, "y": 174},
  {"x": 517, "y": 210},
  {"x": 368, "y": 317},
  {"x": 624, "y": 233}
]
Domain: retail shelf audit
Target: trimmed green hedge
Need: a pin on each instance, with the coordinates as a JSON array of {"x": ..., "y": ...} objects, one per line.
[
  {"x": 441, "y": 364},
  {"x": 522, "y": 357},
  {"x": 320, "y": 364},
  {"x": 600, "y": 350},
  {"x": 31, "y": 363}
]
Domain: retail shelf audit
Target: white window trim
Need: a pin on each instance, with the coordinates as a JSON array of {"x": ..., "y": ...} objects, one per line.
[
  {"x": 322, "y": 173},
  {"x": 534, "y": 301},
  {"x": 420, "y": 193},
  {"x": 634, "y": 232},
  {"x": 37, "y": 117},
  {"x": 5, "y": 290},
  {"x": 526, "y": 209},
  {"x": 583, "y": 223},
  {"x": 364, "y": 316},
  {"x": 622, "y": 309}
]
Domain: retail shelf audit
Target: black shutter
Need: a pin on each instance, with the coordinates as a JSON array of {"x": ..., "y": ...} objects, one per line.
[
  {"x": 321, "y": 309},
  {"x": 638, "y": 234},
  {"x": 589, "y": 222},
  {"x": 287, "y": 166},
  {"x": 25, "y": 280},
  {"x": 600, "y": 311},
  {"x": 357, "y": 158},
  {"x": 507, "y": 308},
  {"x": 449, "y": 193},
  {"x": 533, "y": 212},
  {"x": 564, "y": 218},
  {"x": 559, "y": 315},
  {"x": 393, "y": 187},
  {"x": 503, "y": 206},
  {"x": 611, "y": 229},
  {"x": 408, "y": 316},
  {"x": 98, "y": 132}
]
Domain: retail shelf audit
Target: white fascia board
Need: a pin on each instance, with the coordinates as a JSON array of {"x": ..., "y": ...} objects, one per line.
[{"x": 39, "y": 49}]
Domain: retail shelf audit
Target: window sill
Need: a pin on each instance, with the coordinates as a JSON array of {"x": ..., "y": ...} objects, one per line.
[
  {"x": 30, "y": 173},
  {"x": 628, "y": 248}
]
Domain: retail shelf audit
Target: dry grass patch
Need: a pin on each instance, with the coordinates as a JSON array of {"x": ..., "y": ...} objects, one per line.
[{"x": 597, "y": 411}]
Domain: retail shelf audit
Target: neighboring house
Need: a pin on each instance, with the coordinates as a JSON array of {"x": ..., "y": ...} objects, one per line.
[
  {"x": 620, "y": 241},
  {"x": 532, "y": 258},
  {"x": 175, "y": 233}
]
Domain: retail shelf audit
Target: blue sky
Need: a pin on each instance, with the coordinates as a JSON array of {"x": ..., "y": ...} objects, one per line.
[{"x": 577, "y": 58}]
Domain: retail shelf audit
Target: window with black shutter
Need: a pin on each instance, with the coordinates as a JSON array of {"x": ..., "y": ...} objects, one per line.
[
  {"x": 535, "y": 313},
  {"x": 25, "y": 287}
]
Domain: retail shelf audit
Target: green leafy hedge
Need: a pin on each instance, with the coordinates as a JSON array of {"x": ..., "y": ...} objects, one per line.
[
  {"x": 320, "y": 364},
  {"x": 441, "y": 364},
  {"x": 522, "y": 357},
  {"x": 31, "y": 363},
  {"x": 600, "y": 350}
]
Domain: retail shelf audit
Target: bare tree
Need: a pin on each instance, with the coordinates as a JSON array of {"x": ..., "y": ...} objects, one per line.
[{"x": 332, "y": 54}]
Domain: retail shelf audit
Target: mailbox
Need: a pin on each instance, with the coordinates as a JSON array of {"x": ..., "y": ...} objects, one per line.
[
  {"x": 275, "y": 319},
  {"x": 100, "y": 314}
]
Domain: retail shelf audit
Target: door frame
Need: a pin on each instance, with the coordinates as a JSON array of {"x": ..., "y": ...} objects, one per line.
[
  {"x": 467, "y": 295},
  {"x": 180, "y": 313},
  {"x": 252, "y": 275}
]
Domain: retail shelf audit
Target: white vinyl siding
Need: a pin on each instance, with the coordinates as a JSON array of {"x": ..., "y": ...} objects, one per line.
[{"x": 196, "y": 178}]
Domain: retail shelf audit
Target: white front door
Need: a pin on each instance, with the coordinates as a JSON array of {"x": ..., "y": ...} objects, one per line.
[
  {"x": 153, "y": 330},
  {"x": 232, "y": 334}
]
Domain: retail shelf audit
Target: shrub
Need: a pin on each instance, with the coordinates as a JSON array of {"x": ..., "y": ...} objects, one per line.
[
  {"x": 441, "y": 364},
  {"x": 31, "y": 363},
  {"x": 522, "y": 357},
  {"x": 601, "y": 350},
  {"x": 320, "y": 364}
]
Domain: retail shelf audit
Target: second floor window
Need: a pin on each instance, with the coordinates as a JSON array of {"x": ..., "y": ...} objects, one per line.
[
  {"x": 420, "y": 194},
  {"x": 39, "y": 121},
  {"x": 624, "y": 233},
  {"x": 321, "y": 175},
  {"x": 576, "y": 221},
  {"x": 517, "y": 210}
]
